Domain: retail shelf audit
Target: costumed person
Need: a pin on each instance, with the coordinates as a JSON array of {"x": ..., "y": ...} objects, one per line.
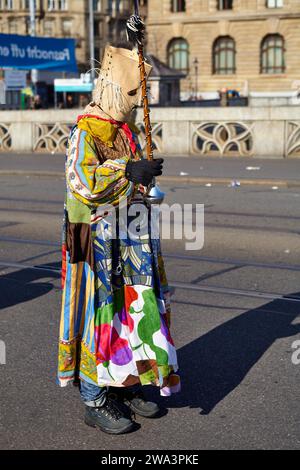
[{"x": 114, "y": 330}]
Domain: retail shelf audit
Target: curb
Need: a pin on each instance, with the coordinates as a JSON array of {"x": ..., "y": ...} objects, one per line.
[
  {"x": 177, "y": 179},
  {"x": 53, "y": 174},
  {"x": 227, "y": 181}
]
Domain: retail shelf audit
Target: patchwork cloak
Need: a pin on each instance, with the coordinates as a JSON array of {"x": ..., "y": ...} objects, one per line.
[{"x": 115, "y": 318}]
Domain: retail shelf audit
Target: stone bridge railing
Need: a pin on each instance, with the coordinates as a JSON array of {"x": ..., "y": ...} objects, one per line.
[{"x": 228, "y": 132}]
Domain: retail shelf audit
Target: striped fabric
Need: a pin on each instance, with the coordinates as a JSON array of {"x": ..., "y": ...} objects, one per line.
[
  {"x": 90, "y": 182},
  {"x": 115, "y": 318}
]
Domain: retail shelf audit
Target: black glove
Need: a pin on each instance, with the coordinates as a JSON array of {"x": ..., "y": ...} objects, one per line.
[{"x": 142, "y": 171}]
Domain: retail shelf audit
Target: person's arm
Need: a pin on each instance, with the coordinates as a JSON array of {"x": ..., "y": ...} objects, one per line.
[{"x": 91, "y": 182}]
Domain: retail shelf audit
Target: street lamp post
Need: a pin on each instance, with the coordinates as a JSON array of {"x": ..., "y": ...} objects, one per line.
[
  {"x": 196, "y": 63},
  {"x": 34, "y": 72},
  {"x": 92, "y": 39}
]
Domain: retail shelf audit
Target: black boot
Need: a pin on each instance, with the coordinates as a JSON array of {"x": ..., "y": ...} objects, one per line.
[
  {"x": 135, "y": 400},
  {"x": 108, "y": 418}
]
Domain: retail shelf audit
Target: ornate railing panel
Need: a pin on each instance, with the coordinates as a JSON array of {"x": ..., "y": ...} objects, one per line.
[
  {"x": 157, "y": 136},
  {"x": 292, "y": 139},
  {"x": 5, "y": 137},
  {"x": 222, "y": 138},
  {"x": 227, "y": 132},
  {"x": 50, "y": 137}
]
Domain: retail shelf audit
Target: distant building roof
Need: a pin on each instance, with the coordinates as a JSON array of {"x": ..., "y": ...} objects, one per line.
[{"x": 161, "y": 70}]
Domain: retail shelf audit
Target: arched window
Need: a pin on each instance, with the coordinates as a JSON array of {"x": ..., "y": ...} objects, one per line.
[
  {"x": 178, "y": 54},
  {"x": 272, "y": 54},
  {"x": 224, "y": 55}
]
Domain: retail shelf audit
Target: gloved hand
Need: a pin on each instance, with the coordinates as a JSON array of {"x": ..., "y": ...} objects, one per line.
[{"x": 142, "y": 171}]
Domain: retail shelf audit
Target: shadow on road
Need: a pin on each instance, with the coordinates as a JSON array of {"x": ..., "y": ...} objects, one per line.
[
  {"x": 20, "y": 286},
  {"x": 212, "y": 366}
]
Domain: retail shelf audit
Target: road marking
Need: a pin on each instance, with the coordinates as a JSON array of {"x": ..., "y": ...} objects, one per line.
[
  {"x": 208, "y": 259},
  {"x": 179, "y": 285}
]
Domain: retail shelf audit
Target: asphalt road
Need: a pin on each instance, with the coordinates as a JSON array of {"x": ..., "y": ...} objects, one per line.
[
  {"x": 180, "y": 167},
  {"x": 232, "y": 326}
]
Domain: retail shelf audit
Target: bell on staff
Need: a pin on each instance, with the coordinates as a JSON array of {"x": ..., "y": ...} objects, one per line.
[{"x": 154, "y": 194}]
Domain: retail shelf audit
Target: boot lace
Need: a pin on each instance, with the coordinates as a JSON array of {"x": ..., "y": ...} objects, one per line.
[{"x": 111, "y": 410}]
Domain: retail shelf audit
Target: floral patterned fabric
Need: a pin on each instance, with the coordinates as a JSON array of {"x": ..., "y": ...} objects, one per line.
[{"x": 115, "y": 321}]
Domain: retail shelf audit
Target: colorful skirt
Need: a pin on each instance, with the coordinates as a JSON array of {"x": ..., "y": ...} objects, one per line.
[{"x": 115, "y": 321}]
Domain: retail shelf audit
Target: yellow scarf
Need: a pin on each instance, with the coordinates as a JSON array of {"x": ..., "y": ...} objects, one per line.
[{"x": 103, "y": 130}]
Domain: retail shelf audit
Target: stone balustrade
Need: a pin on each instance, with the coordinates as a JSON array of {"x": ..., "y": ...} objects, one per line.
[{"x": 230, "y": 132}]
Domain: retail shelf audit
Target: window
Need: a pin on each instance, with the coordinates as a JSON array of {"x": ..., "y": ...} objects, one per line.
[
  {"x": 225, "y": 4},
  {"x": 61, "y": 5},
  {"x": 26, "y": 4},
  {"x": 119, "y": 6},
  {"x": 274, "y": 3},
  {"x": 125, "y": 6},
  {"x": 178, "y": 55},
  {"x": 48, "y": 28},
  {"x": 177, "y": 6},
  {"x": 224, "y": 55},
  {"x": 66, "y": 26},
  {"x": 6, "y": 4},
  {"x": 272, "y": 54},
  {"x": 97, "y": 5},
  {"x": 27, "y": 26},
  {"x": 97, "y": 53},
  {"x": 97, "y": 28},
  {"x": 13, "y": 26},
  {"x": 115, "y": 6}
]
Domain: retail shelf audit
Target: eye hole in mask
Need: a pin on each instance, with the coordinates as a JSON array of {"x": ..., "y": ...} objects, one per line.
[{"x": 133, "y": 92}]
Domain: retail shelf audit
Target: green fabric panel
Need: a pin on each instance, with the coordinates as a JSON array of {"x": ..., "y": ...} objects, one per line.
[
  {"x": 105, "y": 315},
  {"x": 148, "y": 377},
  {"x": 78, "y": 212},
  {"x": 149, "y": 324}
]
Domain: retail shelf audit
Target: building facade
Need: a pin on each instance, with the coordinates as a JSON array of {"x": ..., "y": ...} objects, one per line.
[
  {"x": 245, "y": 45},
  {"x": 69, "y": 18}
]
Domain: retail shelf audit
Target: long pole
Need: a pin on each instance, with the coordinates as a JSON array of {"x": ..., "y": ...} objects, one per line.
[
  {"x": 147, "y": 123},
  {"x": 92, "y": 39},
  {"x": 32, "y": 17},
  {"x": 135, "y": 31},
  {"x": 32, "y": 33}
]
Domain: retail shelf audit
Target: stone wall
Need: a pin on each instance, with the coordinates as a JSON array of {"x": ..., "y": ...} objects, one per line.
[{"x": 230, "y": 132}]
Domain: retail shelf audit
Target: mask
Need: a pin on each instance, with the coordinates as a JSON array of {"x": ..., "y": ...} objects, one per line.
[{"x": 118, "y": 87}]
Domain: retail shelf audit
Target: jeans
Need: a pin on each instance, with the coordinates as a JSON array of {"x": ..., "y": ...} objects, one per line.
[
  {"x": 92, "y": 395},
  {"x": 95, "y": 396}
]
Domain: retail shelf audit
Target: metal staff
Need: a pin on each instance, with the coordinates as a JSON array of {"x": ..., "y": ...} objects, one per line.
[{"x": 135, "y": 31}]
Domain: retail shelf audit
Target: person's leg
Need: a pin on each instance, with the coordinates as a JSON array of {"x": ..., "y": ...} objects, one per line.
[
  {"x": 101, "y": 411},
  {"x": 92, "y": 395}
]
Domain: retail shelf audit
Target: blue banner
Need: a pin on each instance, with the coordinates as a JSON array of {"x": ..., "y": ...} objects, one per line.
[{"x": 27, "y": 52}]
